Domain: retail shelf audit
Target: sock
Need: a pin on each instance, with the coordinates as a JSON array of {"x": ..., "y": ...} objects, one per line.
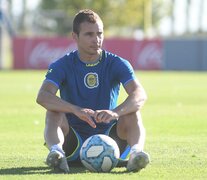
[
  {"x": 57, "y": 148},
  {"x": 135, "y": 148}
]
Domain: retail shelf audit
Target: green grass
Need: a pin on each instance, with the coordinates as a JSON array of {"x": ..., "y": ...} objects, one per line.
[{"x": 175, "y": 117}]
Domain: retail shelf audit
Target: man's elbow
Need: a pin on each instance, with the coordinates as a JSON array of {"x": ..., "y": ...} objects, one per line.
[
  {"x": 40, "y": 99},
  {"x": 141, "y": 100}
]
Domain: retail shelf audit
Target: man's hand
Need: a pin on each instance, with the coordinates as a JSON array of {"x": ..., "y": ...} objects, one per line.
[
  {"x": 105, "y": 116},
  {"x": 86, "y": 115}
]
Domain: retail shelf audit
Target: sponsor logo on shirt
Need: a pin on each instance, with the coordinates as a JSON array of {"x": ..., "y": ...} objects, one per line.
[{"x": 91, "y": 65}]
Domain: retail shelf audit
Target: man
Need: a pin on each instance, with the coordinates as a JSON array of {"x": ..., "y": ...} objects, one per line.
[{"x": 89, "y": 80}]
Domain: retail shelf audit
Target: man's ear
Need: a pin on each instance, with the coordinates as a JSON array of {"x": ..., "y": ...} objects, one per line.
[{"x": 74, "y": 36}]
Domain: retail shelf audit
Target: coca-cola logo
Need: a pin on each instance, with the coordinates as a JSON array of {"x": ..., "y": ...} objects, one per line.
[
  {"x": 150, "y": 57},
  {"x": 43, "y": 54}
]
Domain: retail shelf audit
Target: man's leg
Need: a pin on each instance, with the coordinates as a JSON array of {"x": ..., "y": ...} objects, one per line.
[
  {"x": 130, "y": 128},
  {"x": 72, "y": 145},
  {"x": 56, "y": 127}
]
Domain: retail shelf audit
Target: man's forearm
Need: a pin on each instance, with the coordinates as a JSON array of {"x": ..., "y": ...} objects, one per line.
[
  {"x": 132, "y": 104},
  {"x": 53, "y": 103}
]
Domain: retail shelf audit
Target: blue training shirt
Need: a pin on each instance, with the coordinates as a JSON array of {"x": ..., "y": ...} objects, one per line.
[{"x": 95, "y": 86}]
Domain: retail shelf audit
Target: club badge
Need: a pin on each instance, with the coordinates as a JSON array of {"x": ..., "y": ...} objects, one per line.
[{"x": 91, "y": 80}]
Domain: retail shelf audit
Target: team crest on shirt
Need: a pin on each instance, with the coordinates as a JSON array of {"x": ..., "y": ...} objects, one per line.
[{"x": 91, "y": 80}]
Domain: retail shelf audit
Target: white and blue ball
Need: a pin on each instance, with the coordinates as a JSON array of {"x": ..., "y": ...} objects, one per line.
[{"x": 99, "y": 153}]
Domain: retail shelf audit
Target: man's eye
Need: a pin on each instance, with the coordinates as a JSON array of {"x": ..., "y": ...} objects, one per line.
[{"x": 90, "y": 34}]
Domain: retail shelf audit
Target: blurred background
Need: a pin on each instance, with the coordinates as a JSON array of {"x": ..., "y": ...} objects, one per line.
[{"x": 151, "y": 34}]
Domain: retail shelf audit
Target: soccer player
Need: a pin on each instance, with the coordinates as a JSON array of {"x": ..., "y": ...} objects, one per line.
[{"x": 88, "y": 80}]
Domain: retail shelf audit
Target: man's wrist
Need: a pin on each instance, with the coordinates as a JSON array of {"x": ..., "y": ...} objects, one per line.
[{"x": 116, "y": 113}]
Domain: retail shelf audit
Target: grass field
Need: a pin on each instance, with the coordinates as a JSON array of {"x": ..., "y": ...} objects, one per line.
[{"x": 175, "y": 117}]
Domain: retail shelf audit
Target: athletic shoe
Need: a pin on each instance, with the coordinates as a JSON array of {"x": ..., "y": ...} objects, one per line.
[
  {"x": 58, "y": 161},
  {"x": 138, "y": 161}
]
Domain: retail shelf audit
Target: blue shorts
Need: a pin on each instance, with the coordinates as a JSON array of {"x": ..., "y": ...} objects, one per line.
[{"x": 74, "y": 140}]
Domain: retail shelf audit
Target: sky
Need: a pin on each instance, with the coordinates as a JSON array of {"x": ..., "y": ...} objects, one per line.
[
  {"x": 165, "y": 27},
  {"x": 180, "y": 17},
  {"x": 194, "y": 15},
  {"x": 17, "y": 5}
]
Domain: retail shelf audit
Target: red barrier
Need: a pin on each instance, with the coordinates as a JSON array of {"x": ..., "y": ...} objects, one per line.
[{"x": 38, "y": 53}]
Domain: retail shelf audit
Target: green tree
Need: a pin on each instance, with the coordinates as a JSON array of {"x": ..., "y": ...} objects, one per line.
[{"x": 117, "y": 14}]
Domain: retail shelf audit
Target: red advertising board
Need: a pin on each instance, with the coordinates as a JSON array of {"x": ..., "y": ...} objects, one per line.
[
  {"x": 38, "y": 53},
  {"x": 145, "y": 54}
]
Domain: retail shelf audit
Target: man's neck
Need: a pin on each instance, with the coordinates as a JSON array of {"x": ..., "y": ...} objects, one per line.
[{"x": 90, "y": 58}]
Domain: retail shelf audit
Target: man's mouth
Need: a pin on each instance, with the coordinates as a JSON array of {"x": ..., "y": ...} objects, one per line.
[{"x": 95, "y": 47}]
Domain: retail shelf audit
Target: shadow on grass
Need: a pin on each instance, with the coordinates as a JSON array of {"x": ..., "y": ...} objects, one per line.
[
  {"x": 36, "y": 170},
  {"x": 45, "y": 170}
]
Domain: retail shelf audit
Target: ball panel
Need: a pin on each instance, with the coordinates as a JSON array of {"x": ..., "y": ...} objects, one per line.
[
  {"x": 107, "y": 164},
  {"x": 94, "y": 151}
]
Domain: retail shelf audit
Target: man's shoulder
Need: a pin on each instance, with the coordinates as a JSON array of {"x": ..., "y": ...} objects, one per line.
[
  {"x": 66, "y": 58},
  {"x": 111, "y": 55},
  {"x": 114, "y": 57},
  {"x": 69, "y": 56}
]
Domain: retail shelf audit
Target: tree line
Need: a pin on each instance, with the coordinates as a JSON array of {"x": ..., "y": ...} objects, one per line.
[{"x": 120, "y": 17}]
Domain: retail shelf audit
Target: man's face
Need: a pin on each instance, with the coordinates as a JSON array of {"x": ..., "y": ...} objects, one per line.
[{"x": 90, "y": 38}]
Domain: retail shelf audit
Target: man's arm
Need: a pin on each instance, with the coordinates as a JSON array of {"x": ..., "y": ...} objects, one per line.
[
  {"x": 135, "y": 100},
  {"x": 49, "y": 100}
]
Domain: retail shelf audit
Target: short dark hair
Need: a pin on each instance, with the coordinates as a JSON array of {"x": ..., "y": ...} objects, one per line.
[{"x": 85, "y": 15}]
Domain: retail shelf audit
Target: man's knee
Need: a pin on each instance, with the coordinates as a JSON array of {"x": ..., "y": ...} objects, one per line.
[
  {"x": 129, "y": 119},
  {"x": 127, "y": 122},
  {"x": 57, "y": 119},
  {"x": 53, "y": 115}
]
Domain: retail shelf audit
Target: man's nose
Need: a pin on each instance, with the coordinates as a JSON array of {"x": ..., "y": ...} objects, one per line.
[{"x": 96, "y": 39}]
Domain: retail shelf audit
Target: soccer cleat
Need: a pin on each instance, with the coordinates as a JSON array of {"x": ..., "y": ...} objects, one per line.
[
  {"x": 58, "y": 161},
  {"x": 138, "y": 161}
]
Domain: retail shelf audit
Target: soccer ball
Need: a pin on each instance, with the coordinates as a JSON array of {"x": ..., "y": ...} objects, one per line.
[{"x": 99, "y": 153}]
